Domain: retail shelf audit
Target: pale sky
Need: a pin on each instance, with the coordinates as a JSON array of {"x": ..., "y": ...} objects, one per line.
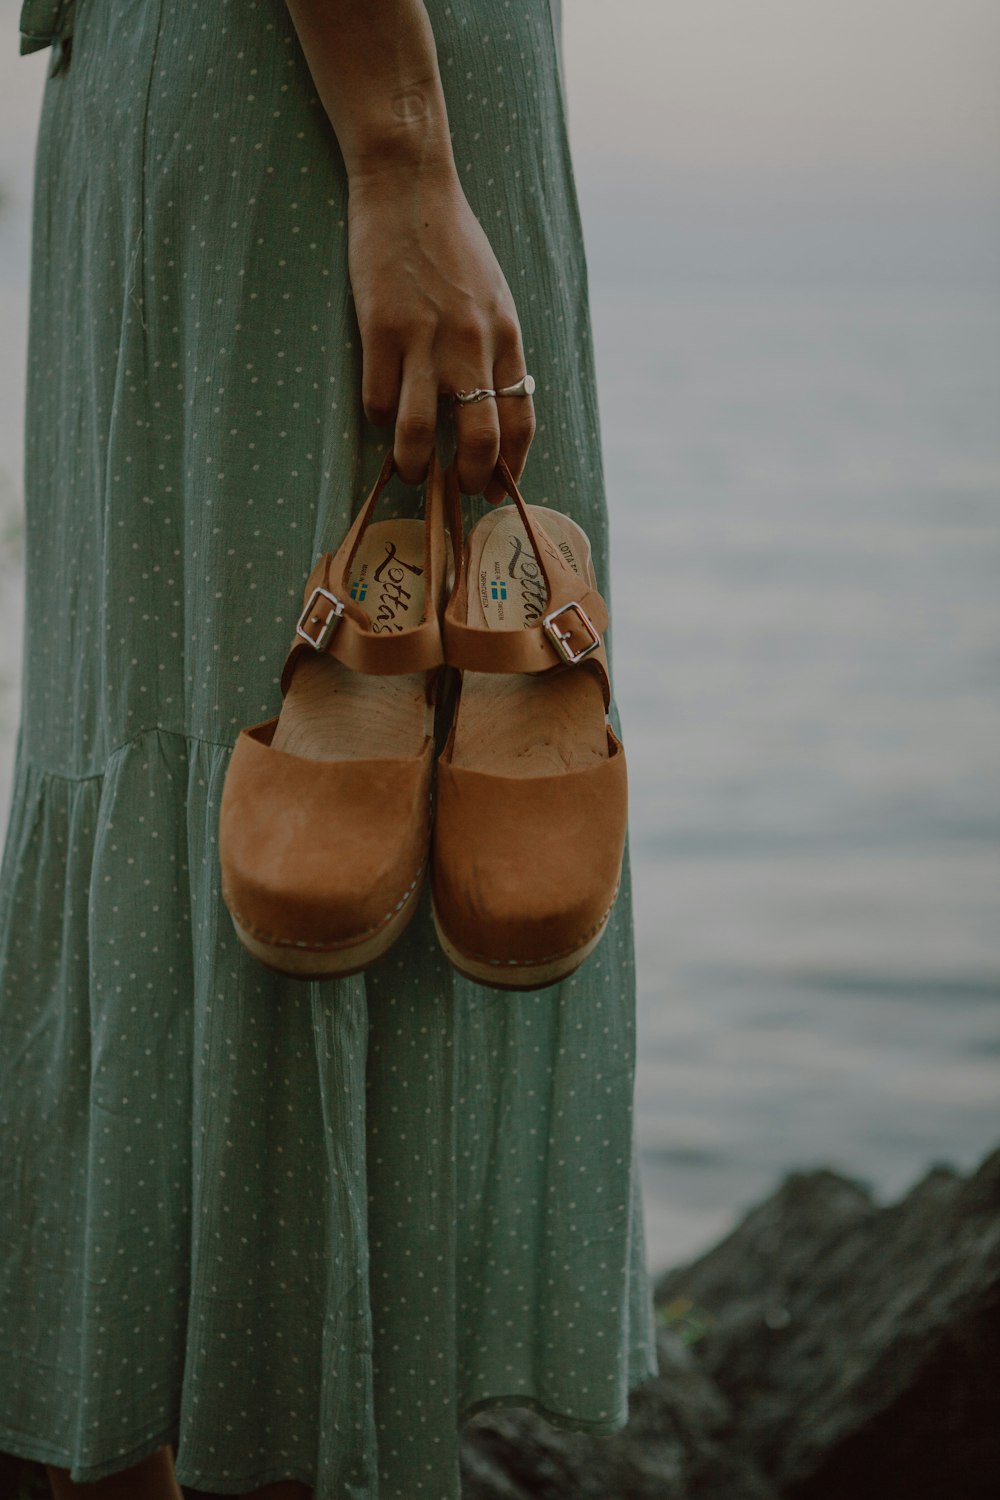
[
  {"x": 856, "y": 88},
  {"x": 867, "y": 94}
]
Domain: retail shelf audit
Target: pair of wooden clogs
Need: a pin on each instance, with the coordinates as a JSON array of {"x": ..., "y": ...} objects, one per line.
[{"x": 333, "y": 810}]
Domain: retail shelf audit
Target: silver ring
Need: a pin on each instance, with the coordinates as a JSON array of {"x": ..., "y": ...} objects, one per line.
[
  {"x": 523, "y": 387},
  {"x": 477, "y": 395}
]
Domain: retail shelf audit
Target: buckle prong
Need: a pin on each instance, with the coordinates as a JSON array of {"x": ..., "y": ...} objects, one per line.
[
  {"x": 306, "y": 618},
  {"x": 562, "y": 639}
]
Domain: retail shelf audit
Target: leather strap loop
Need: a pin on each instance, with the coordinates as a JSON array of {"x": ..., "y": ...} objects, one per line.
[
  {"x": 353, "y": 639},
  {"x": 529, "y": 650},
  {"x": 534, "y": 649}
]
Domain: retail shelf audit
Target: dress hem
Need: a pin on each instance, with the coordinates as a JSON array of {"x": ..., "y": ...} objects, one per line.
[
  {"x": 38, "y": 1451},
  {"x": 560, "y": 1420}
]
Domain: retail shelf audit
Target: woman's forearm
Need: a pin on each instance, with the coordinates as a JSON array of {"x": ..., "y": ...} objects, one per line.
[
  {"x": 374, "y": 64},
  {"x": 434, "y": 310}
]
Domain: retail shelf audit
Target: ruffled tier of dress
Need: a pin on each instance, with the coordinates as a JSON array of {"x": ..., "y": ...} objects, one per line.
[{"x": 296, "y": 1229}]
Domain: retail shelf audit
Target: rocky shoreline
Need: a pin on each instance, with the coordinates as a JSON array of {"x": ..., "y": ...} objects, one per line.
[{"x": 827, "y": 1349}]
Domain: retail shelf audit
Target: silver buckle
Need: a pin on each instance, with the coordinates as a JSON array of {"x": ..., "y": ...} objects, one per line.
[
  {"x": 327, "y": 626},
  {"x": 561, "y": 639}
]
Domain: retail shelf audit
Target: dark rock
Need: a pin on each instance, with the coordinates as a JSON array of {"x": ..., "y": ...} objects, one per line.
[
  {"x": 858, "y": 1346},
  {"x": 675, "y": 1447}
]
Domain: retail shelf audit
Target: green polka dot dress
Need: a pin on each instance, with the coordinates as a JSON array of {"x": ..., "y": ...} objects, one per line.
[{"x": 296, "y": 1230}]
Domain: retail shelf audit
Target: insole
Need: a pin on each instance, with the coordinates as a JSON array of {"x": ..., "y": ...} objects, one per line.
[
  {"x": 332, "y": 713},
  {"x": 525, "y": 724}
]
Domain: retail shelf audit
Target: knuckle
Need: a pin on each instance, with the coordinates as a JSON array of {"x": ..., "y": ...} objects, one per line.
[
  {"x": 482, "y": 443},
  {"x": 508, "y": 332},
  {"x": 377, "y": 326},
  {"x": 468, "y": 344},
  {"x": 415, "y": 428},
  {"x": 384, "y": 321},
  {"x": 523, "y": 422},
  {"x": 419, "y": 329},
  {"x": 426, "y": 318}
]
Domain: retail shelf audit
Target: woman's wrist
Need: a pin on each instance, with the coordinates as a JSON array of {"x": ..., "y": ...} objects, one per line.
[
  {"x": 374, "y": 64},
  {"x": 397, "y": 157},
  {"x": 399, "y": 173},
  {"x": 404, "y": 131}
]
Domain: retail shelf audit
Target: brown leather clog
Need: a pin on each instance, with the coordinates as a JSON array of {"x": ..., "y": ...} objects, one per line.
[
  {"x": 531, "y": 805},
  {"x": 324, "y": 824}
]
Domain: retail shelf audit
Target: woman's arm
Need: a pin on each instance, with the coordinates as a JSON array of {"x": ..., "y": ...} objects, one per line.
[{"x": 434, "y": 309}]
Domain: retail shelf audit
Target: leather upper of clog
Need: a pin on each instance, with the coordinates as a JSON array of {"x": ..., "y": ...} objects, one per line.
[
  {"x": 525, "y": 869},
  {"x": 320, "y": 854},
  {"x": 325, "y": 854}
]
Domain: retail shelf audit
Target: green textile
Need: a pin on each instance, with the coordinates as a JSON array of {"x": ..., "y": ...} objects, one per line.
[{"x": 299, "y": 1230}]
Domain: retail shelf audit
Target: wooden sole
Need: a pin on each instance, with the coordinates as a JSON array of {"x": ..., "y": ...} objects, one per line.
[
  {"x": 515, "y": 976},
  {"x": 317, "y": 963}
]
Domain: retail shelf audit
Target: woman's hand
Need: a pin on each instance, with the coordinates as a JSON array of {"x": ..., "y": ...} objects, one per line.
[
  {"x": 436, "y": 316},
  {"x": 435, "y": 312}
]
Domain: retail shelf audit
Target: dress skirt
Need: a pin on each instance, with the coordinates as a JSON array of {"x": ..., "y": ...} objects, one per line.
[{"x": 297, "y": 1230}]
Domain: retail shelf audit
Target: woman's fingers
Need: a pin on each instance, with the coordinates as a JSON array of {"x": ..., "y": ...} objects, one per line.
[
  {"x": 407, "y": 392},
  {"x": 516, "y": 416},
  {"x": 477, "y": 438},
  {"x": 435, "y": 315},
  {"x": 381, "y": 371},
  {"x": 416, "y": 419}
]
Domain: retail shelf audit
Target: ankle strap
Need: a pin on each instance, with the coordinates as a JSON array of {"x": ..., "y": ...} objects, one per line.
[
  {"x": 331, "y": 622},
  {"x": 571, "y": 630}
]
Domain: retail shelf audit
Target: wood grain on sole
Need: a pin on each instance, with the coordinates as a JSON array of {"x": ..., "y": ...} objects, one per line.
[
  {"x": 338, "y": 963},
  {"x": 519, "y": 976}
]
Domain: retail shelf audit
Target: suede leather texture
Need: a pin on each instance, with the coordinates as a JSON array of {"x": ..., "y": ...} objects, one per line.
[
  {"x": 526, "y": 869},
  {"x": 321, "y": 854}
]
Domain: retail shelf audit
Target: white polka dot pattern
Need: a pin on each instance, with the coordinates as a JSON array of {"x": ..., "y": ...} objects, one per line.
[{"x": 298, "y": 1230}]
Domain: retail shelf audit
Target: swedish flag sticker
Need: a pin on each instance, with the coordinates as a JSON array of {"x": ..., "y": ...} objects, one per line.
[
  {"x": 498, "y": 588},
  {"x": 359, "y": 589}
]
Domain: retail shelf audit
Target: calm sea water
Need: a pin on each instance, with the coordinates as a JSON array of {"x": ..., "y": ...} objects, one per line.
[
  {"x": 805, "y": 488},
  {"x": 804, "y": 478}
]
